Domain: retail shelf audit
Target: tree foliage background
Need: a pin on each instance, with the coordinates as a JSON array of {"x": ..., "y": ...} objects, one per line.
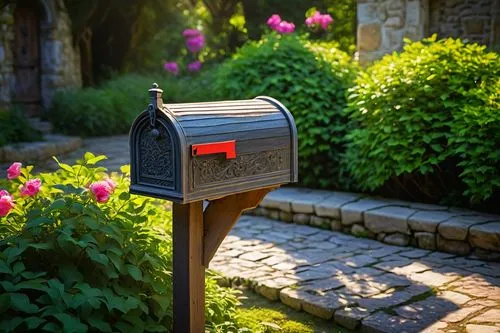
[{"x": 139, "y": 35}]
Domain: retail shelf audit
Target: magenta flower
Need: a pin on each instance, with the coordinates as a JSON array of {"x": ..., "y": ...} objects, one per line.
[
  {"x": 325, "y": 21},
  {"x": 190, "y": 33},
  {"x": 31, "y": 187},
  {"x": 14, "y": 170},
  {"x": 319, "y": 19},
  {"x": 6, "y": 203},
  {"x": 102, "y": 190},
  {"x": 285, "y": 27},
  {"x": 194, "y": 66},
  {"x": 171, "y": 67},
  {"x": 274, "y": 21},
  {"x": 195, "y": 44}
]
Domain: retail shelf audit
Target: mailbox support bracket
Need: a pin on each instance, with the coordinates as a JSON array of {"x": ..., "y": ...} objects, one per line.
[
  {"x": 196, "y": 236},
  {"x": 221, "y": 215}
]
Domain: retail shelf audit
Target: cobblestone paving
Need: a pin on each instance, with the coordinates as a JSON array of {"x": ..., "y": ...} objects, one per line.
[
  {"x": 114, "y": 147},
  {"x": 358, "y": 282}
]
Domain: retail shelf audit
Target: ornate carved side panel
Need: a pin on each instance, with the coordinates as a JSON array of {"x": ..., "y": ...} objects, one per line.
[
  {"x": 156, "y": 157},
  {"x": 209, "y": 170}
]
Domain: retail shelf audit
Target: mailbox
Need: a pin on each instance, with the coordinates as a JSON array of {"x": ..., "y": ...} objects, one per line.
[{"x": 195, "y": 151}]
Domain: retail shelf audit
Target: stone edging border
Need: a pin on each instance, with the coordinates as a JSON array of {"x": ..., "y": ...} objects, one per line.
[
  {"x": 431, "y": 227},
  {"x": 53, "y": 145}
]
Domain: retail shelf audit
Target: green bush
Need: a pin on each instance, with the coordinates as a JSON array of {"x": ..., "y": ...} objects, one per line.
[
  {"x": 427, "y": 123},
  {"x": 68, "y": 263},
  {"x": 111, "y": 108},
  {"x": 15, "y": 128},
  {"x": 310, "y": 79}
]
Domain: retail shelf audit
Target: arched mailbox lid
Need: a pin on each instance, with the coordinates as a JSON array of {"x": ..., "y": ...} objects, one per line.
[{"x": 196, "y": 151}]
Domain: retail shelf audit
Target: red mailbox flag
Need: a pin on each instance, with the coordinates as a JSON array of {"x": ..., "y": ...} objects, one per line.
[{"x": 227, "y": 147}]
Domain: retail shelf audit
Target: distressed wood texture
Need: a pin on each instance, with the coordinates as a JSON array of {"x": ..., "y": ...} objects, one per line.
[
  {"x": 221, "y": 215},
  {"x": 189, "y": 272},
  {"x": 266, "y": 148},
  {"x": 27, "y": 56}
]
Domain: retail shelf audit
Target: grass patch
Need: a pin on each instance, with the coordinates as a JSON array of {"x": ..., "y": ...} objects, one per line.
[{"x": 263, "y": 316}]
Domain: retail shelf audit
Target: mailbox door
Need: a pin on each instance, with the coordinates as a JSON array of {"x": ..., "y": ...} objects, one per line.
[{"x": 156, "y": 168}]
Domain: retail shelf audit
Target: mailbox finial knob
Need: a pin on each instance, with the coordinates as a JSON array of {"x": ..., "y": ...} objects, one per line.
[{"x": 155, "y": 93}]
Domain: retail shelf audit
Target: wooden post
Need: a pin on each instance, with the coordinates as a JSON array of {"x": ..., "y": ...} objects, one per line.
[{"x": 189, "y": 272}]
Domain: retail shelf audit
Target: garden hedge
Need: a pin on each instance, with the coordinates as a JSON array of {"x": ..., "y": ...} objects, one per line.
[
  {"x": 426, "y": 123},
  {"x": 71, "y": 262},
  {"x": 310, "y": 79}
]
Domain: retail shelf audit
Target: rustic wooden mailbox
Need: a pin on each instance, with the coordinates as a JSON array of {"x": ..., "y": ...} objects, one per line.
[{"x": 230, "y": 153}]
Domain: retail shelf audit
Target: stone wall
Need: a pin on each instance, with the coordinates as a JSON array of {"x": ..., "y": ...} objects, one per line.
[
  {"x": 475, "y": 20},
  {"x": 383, "y": 24},
  {"x": 60, "y": 58},
  {"x": 394, "y": 222}
]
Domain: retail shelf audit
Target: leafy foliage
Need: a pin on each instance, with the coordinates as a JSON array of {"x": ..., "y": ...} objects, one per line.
[
  {"x": 15, "y": 128},
  {"x": 112, "y": 108},
  {"x": 311, "y": 80},
  {"x": 427, "y": 121},
  {"x": 70, "y": 264}
]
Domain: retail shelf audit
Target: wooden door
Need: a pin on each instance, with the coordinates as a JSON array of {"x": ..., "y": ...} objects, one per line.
[{"x": 27, "y": 57}]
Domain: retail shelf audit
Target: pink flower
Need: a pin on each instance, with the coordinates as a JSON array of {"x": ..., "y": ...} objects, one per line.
[
  {"x": 6, "y": 203},
  {"x": 317, "y": 18},
  {"x": 274, "y": 21},
  {"x": 285, "y": 27},
  {"x": 14, "y": 170},
  {"x": 194, "y": 66},
  {"x": 195, "y": 44},
  {"x": 171, "y": 67},
  {"x": 111, "y": 183},
  {"x": 31, "y": 187},
  {"x": 189, "y": 33},
  {"x": 325, "y": 21},
  {"x": 102, "y": 190}
]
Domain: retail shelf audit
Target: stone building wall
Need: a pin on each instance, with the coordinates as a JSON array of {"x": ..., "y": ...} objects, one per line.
[
  {"x": 59, "y": 58},
  {"x": 475, "y": 20},
  {"x": 383, "y": 24}
]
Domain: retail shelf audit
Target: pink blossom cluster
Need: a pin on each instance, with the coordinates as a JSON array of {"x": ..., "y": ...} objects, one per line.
[
  {"x": 171, "y": 67},
  {"x": 29, "y": 189},
  {"x": 277, "y": 24},
  {"x": 6, "y": 203},
  {"x": 318, "y": 19},
  {"x": 195, "y": 40},
  {"x": 103, "y": 189}
]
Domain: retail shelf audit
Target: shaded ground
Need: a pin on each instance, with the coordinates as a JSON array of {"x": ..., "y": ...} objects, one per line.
[{"x": 360, "y": 282}]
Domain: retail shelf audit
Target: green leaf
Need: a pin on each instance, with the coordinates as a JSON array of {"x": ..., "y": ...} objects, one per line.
[
  {"x": 10, "y": 324},
  {"x": 21, "y": 302},
  {"x": 95, "y": 160},
  {"x": 99, "y": 324},
  {"x": 4, "y": 302},
  {"x": 97, "y": 257},
  {"x": 34, "y": 322},
  {"x": 70, "y": 323},
  {"x": 134, "y": 272}
]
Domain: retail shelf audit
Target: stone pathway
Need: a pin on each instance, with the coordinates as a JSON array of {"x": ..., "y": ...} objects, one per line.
[{"x": 361, "y": 283}]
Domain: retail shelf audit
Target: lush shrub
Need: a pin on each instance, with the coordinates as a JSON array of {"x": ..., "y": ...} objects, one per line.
[
  {"x": 310, "y": 79},
  {"x": 15, "y": 128},
  {"x": 111, "y": 108},
  {"x": 427, "y": 122},
  {"x": 69, "y": 263}
]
